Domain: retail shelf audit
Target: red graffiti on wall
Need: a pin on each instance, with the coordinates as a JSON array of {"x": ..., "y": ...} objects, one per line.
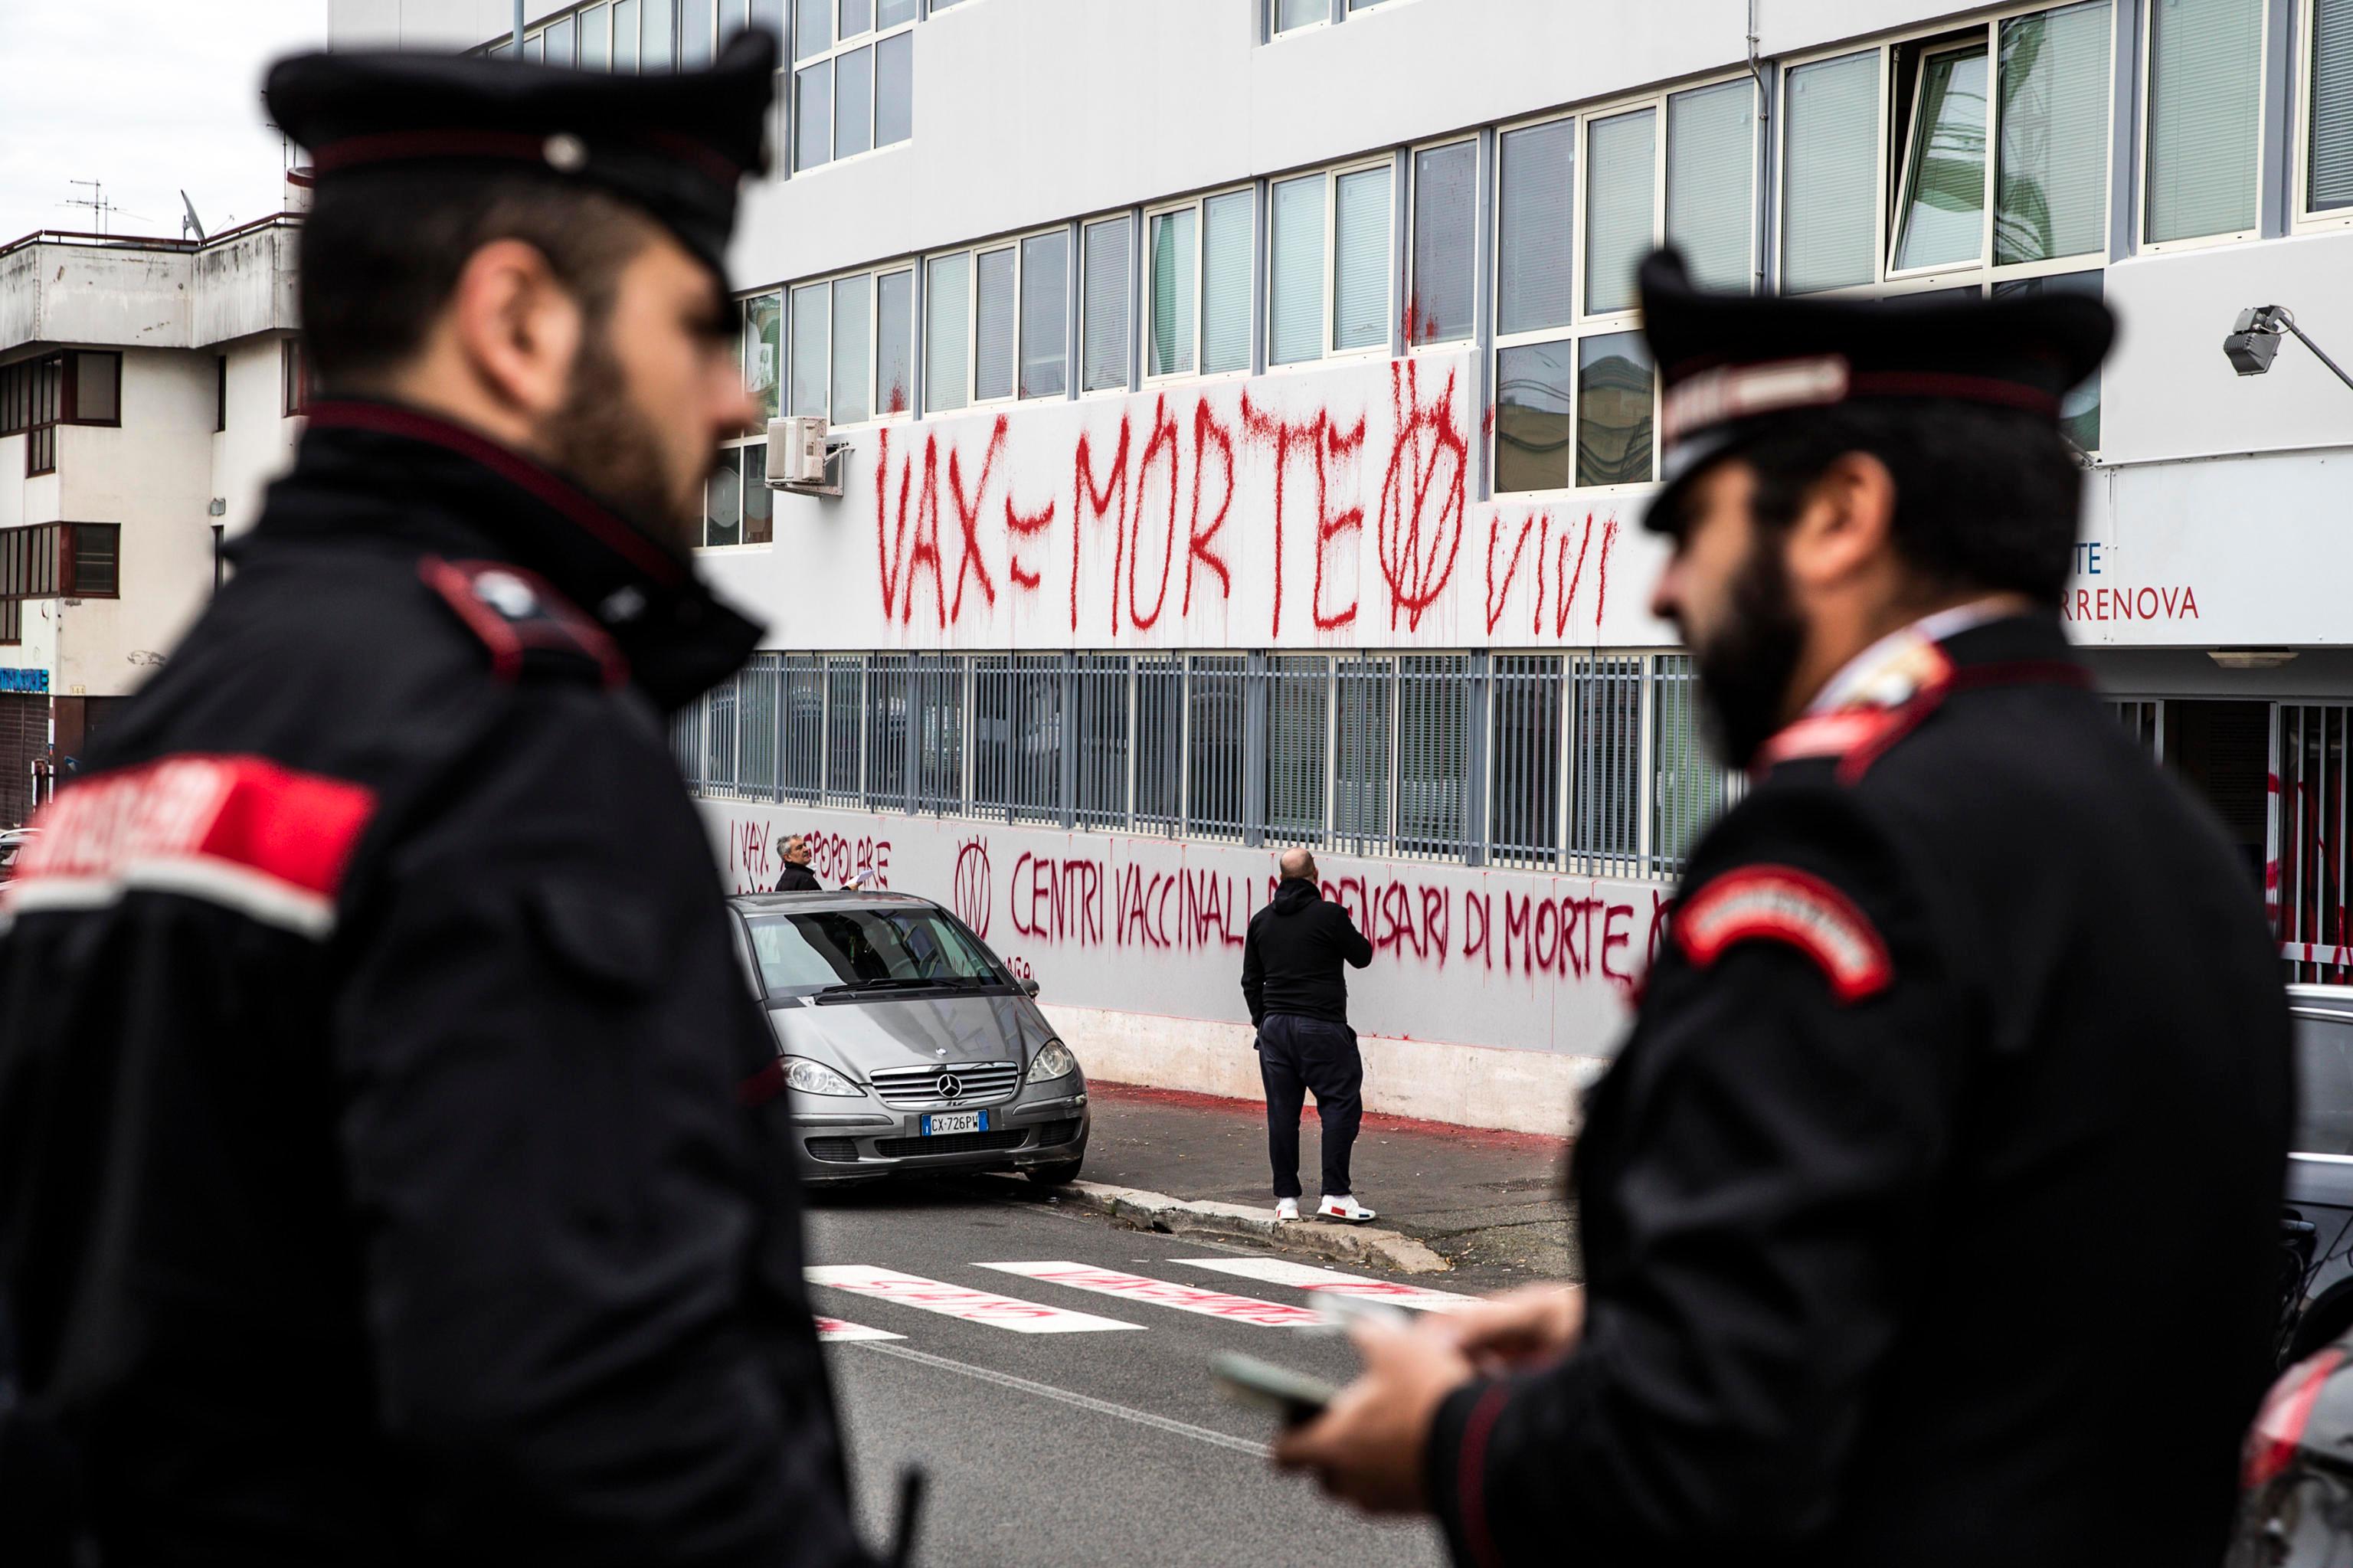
[
  {"x": 972, "y": 888},
  {"x": 1554, "y": 576},
  {"x": 1428, "y": 461}
]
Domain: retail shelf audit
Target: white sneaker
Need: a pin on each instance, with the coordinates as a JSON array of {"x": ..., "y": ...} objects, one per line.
[
  {"x": 1343, "y": 1207},
  {"x": 1286, "y": 1208}
]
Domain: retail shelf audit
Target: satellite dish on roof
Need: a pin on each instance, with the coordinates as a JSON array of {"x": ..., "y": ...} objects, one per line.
[{"x": 191, "y": 222}]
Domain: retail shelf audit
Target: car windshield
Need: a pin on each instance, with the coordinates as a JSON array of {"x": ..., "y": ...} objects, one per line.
[
  {"x": 867, "y": 950},
  {"x": 2324, "y": 1061}
]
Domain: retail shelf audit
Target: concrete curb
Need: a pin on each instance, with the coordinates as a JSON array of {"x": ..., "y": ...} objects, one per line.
[{"x": 1178, "y": 1216}]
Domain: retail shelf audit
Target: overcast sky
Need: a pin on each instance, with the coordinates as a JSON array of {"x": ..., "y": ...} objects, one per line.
[{"x": 148, "y": 97}]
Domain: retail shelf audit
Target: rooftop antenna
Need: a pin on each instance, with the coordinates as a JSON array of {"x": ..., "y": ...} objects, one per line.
[
  {"x": 189, "y": 221},
  {"x": 96, "y": 201}
]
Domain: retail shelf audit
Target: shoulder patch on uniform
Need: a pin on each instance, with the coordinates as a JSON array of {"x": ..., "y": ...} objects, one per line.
[
  {"x": 517, "y": 614},
  {"x": 244, "y": 832},
  {"x": 1782, "y": 904}
]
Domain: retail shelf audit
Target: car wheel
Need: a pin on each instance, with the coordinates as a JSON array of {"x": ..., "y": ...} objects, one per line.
[{"x": 1057, "y": 1175}]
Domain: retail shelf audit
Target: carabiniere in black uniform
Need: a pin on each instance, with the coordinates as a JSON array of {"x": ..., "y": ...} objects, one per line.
[
  {"x": 372, "y": 1186},
  {"x": 1927, "y": 1213}
]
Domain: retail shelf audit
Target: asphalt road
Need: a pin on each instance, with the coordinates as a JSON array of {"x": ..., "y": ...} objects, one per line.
[{"x": 1083, "y": 1447}]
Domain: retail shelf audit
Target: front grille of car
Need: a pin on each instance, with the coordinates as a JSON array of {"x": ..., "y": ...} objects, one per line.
[
  {"x": 840, "y": 1151},
  {"x": 953, "y": 1143},
  {"x": 976, "y": 1083},
  {"x": 1054, "y": 1132}
]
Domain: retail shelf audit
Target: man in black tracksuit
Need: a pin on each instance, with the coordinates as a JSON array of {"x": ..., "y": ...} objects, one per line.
[{"x": 1298, "y": 996}]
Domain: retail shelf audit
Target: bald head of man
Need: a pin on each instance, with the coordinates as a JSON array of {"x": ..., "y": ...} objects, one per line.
[{"x": 1298, "y": 863}]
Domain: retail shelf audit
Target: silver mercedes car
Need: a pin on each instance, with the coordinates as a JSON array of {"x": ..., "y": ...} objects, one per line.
[{"x": 906, "y": 1046}]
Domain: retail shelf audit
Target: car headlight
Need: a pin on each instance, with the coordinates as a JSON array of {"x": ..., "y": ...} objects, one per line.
[
  {"x": 1053, "y": 1062},
  {"x": 815, "y": 1078}
]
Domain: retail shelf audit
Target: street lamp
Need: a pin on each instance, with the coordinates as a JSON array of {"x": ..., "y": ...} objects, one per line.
[{"x": 2255, "y": 341}]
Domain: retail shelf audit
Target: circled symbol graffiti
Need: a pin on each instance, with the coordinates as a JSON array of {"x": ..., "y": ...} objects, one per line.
[{"x": 970, "y": 890}]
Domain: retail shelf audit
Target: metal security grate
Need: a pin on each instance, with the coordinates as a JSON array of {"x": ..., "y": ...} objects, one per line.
[
  {"x": 1605, "y": 807},
  {"x": 1160, "y": 744},
  {"x": 844, "y": 676},
  {"x": 803, "y": 725},
  {"x": 1436, "y": 708},
  {"x": 756, "y": 720},
  {"x": 975, "y": 1084},
  {"x": 2309, "y": 819},
  {"x": 1099, "y": 713},
  {"x": 2143, "y": 719},
  {"x": 1687, "y": 784},
  {"x": 1525, "y": 700},
  {"x": 1298, "y": 745},
  {"x": 685, "y": 740},
  {"x": 888, "y": 765},
  {"x": 938, "y": 723},
  {"x": 1362, "y": 755},
  {"x": 1018, "y": 737},
  {"x": 1216, "y": 745}
]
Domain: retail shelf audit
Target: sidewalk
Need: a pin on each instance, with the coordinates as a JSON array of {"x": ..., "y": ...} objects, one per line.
[{"x": 1489, "y": 1203}]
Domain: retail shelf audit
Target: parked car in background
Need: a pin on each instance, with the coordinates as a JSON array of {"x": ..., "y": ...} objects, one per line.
[
  {"x": 2316, "y": 1226},
  {"x": 905, "y": 1043},
  {"x": 14, "y": 842}
]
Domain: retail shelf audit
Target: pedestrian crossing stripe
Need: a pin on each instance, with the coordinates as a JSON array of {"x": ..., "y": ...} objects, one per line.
[
  {"x": 835, "y": 1328},
  {"x": 1331, "y": 1282},
  {"x": 956, "y": 1301},
  {"x": 1166, "y": 1293}
]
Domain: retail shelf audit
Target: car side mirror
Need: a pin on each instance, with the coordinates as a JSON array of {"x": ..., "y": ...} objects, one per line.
[{"x": 1030, "y": 988}]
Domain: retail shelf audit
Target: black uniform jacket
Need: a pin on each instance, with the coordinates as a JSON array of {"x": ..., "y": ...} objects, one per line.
[
  {"x": 1293, "y": 953},
  {"x": 1927, "y": 1213},
  {"x": 372, "y": 1185},
  {"x": 798, "y": 879}
]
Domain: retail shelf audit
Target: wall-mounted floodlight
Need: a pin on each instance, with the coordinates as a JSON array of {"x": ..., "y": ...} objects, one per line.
[{"x": 2255, "y": 341}]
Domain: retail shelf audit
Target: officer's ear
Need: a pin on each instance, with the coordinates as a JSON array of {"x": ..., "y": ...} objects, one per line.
[
  {"x": 516, "y": 329},
  {"x": 1844, "y": 532}
]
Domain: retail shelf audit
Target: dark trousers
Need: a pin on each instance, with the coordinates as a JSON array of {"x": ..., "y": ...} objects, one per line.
[{"x": 1297, "y": 1056}]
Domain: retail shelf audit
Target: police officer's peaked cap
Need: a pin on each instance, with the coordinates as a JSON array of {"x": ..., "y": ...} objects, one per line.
[
  {"x": 675, "y": 146},
  {"x": 1733, "y": 367}
]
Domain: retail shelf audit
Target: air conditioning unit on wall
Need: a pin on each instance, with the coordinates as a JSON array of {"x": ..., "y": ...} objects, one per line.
[{"x": 801, "y": 458}]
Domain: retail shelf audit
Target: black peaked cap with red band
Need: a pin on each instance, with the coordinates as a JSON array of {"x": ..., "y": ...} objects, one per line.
[
  {"x": 676, "y": 146},
  {"x": 1733, "y": 367}
]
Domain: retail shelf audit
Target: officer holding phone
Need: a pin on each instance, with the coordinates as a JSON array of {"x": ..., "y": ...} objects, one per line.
[{"x": 1927, "y": 1211}]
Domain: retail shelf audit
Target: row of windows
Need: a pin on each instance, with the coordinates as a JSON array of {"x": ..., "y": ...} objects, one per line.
[
  {"x": 847, "y": 81},
  {"x": 1585, "y": 763},
  {"x": 72, "y": 386},
  {"x": 60, "y": 560},
  {"x": 1972, "y": 160}
]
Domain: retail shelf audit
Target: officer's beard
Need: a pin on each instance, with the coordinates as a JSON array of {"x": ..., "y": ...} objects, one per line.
[
  {"x": 1745, "y": 668},
  {"x": 601, "y": 440}
]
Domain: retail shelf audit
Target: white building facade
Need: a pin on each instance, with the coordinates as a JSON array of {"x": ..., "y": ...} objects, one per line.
[
  {"x": 1247, "y": 434},
  {"x": 148, "y": 389}
]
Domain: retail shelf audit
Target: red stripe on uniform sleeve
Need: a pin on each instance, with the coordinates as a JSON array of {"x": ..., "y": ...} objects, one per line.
[
  {"x": 1470, "y": 1476},
  {"x": 298, "y": 828}
]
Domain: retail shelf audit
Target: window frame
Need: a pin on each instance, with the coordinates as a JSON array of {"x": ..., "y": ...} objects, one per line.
[
  {"x": 874, "y": 275},
  {"x": 1660, "y": 102},
  {"x": 1263, "y": 285},
  {"x": 1014, "y": 241},
  {"x": 1886, "y": 175},
  {"x": 794, "y": 63},
  {"x": 1076, "y": 376},
  {"x": 70, "y": 391},
  {"x": 1275, "y": 30},
  {"x": 2303, "y": 217},
  {"x": 293, "y": 378},
  {"x": 1483, "y": 175},
  {"x": 2144, "y": 87},
  {"x": 1198, "y": 203}
]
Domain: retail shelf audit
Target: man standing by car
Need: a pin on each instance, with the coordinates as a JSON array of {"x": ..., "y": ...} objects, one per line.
[
  {"x": 372, "y": 1187},
  {"x": 1965, "y": 1003},
  {"x": 1298, "y": 994},
  {"x": 797, "y": 877}
]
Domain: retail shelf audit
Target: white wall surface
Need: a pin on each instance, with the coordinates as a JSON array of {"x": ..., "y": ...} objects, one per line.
[
  {"x": 1150, "y": 926},
  {"x": 259, "y": 444},
  {"x": 1325, "y": 508},
  {"x": 2167, "y": 392},
  {"x": 154, "y": 477},
  {"x": 245, "y": 285},
  {"x": 97, "y": 295}
]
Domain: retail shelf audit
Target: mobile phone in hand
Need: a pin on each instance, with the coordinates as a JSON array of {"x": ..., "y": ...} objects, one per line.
[{"x": 1293, "y": 1398}]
